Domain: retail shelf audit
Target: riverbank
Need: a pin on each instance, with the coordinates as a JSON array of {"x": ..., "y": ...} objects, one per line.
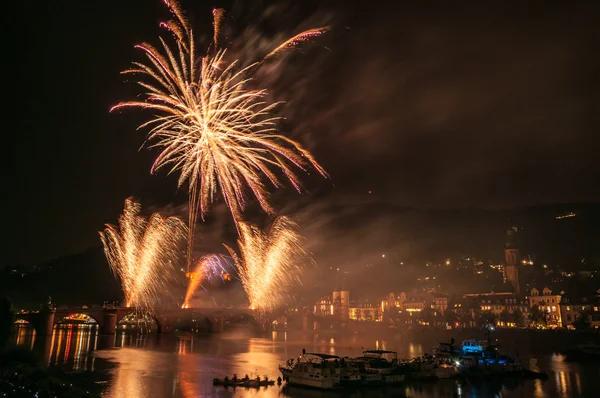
[{"x": 22, "y": 375}]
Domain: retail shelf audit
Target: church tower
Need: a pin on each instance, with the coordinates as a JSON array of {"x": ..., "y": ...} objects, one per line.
[{"x": 511, "y": 260}]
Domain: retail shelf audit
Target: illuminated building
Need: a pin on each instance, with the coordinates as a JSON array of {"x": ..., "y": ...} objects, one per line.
[
  {"x": 440, "y": 304},
  {"x": 393, "y": 301},
  {"x": 498, "y": 303},
  {"x": 572, "y": 309},
  {"x": 413, "y": 306},
  {"x": 511, "y": 260},
  {"x": 365, "y": 312},
  {"x": 341, "y": 303},
  {"x": 414, "y": 301},
  {"x": 324, "y": 306},
  {"x": 548, "y": 303}
]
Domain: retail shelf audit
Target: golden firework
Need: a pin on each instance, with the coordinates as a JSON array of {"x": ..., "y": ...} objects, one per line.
[
  {"x": 215, "y": 131},
  {"x": 269, "y": 264},
  {"x": 142, "y": 253}
]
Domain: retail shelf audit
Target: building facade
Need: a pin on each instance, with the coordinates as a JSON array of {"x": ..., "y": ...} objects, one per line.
[
  {"x": 365, "y": 312},
  {"x": 548, "y": 303}
]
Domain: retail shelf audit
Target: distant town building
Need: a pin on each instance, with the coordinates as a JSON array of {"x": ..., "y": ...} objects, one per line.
[
  {"x": 414, "y": 301},
  {"x": 341, "y": 303},
  {"x": 365, "y": 312},
  {"x": 549, "y": 303},
  {"x": 324, "y": 306},
  {"x": 440, "y": 304},
  {"x": 393, "y": 301},
  {"x": 572, "y": 309},
  {"x": 500, "y": 304}
]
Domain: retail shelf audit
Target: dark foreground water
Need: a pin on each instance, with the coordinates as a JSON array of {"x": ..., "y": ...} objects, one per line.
[{"x": 183, "y": 365}]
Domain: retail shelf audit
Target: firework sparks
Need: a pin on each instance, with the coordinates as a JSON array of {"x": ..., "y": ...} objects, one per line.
[
  {"x": 207, "y": 268},
  {"x": 218, "y": 14},
  {"x": 299, "y": 38},
  {"x": 269, "y": 265},
  {"x": 142, "y": 252},
  {"x": 217, "y": 133}
]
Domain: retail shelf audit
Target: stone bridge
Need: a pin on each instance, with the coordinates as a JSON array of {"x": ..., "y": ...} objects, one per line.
[{"x": 108, "y": 318}]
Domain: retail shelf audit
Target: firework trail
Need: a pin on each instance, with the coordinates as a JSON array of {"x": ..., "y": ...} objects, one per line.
[
  {"x": 299, "y": 38},
  {"x": 207, "y": 268},
  {"x": 217, "y": 133},
  {"x": 269, "y": 264},
  {"x": 142, "y": 252},
  {"x": 218, "y": 14}
]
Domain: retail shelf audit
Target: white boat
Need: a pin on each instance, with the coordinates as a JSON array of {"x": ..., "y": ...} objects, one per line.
[
  {"x": 392, "y": 379},
  {"x": 380, "y": 361},
  {"x": 429, "y": 368},
  {"x": 445, "y": 371},
  {"x": 315, "y": 370}
]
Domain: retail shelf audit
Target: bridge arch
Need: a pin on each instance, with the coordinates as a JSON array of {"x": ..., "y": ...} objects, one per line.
[
  {"x": 146, "y": 321},
  {"x": 80, "y": 318}
]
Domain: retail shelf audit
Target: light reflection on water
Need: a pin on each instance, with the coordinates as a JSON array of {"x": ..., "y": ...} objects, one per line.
[{"x": 183, "y": 365}]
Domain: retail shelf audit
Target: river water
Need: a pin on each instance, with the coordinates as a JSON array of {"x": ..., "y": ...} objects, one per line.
[{"x": 184, "y": 364}]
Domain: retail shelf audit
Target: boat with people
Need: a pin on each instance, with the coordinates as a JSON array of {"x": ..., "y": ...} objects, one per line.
[
  {"x": 314, "y": 370},
  {"x": 243, "y": 382}
]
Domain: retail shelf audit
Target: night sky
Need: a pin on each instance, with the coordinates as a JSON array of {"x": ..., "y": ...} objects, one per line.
[{"x": 426, "y": 107}]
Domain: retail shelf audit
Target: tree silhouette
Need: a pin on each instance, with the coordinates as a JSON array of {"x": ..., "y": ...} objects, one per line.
[
  {"x": 537, "y": 317},
  {"x": 487, "y": 318},
  {"x": 582, "y": 321},
  {"x": 6, "y": 320},
  {"x": 505, "y": 317},
  {"x": 518, "y": 318}
]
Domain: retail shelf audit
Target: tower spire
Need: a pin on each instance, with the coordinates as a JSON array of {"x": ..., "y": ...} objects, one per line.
[{"x": 511, "y": 259}]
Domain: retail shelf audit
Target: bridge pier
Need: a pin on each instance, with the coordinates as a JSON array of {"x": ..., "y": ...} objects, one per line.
[
  {"x": 109, "y": 326},
  {"x": 46, "y": 327},
  {"x": 305, "y": 322},
  {"x": 218, "y": 324}
]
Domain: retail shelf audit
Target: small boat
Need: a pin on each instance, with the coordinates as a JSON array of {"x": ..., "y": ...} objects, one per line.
[
  {"x": 315, "y": 370},
  {"x": 250, "y": 383}
]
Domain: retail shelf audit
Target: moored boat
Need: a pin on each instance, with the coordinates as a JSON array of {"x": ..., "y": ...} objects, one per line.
[
  {"x": 315, "y": 370},
  {"x": 380, "y": 361}
]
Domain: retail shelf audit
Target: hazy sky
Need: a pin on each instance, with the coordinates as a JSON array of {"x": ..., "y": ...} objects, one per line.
[{"x": 424, "y": 106}]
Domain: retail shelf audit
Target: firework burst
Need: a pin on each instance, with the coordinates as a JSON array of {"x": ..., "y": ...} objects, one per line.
[
  {"x": 269, "y": 264},
  {"x": 142, "y": 253},
  {"x": 207, "y": 268},
  {"x": 216, "y": 132}
]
